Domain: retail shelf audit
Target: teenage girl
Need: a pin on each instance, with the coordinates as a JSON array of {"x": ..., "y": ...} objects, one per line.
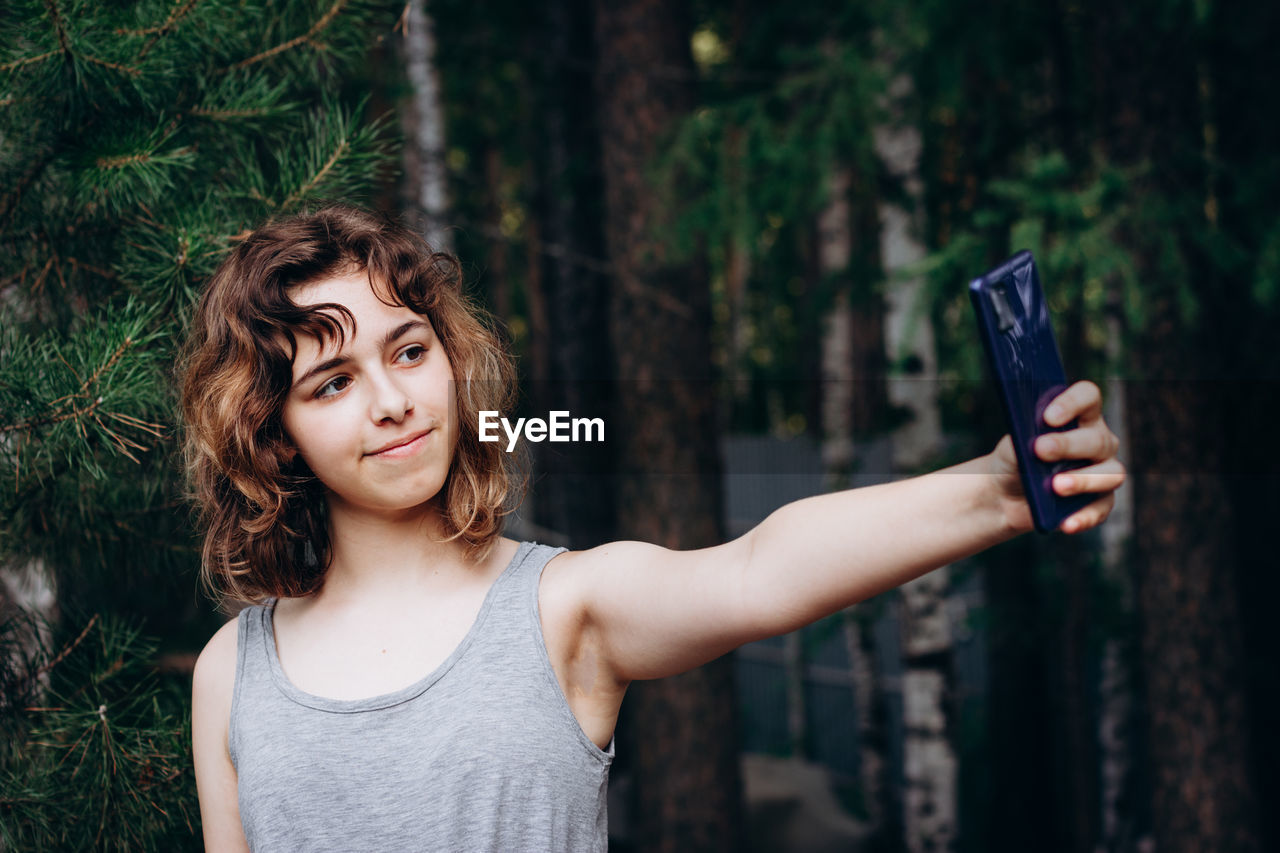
[{"x": 406, "y": 678}]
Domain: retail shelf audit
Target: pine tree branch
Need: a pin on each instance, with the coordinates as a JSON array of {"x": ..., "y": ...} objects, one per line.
[
  {"x": 123, "y": 444},
  {"x": 98, "y": 271},
  {"x": 306, "y": 37},
  {"x": 63, "y": 654},
  {"x": 64, "y": 44},
  {"x": 175, "y": 16},
  {"x": 114, "y": 66},
  {"x": 97, "y": 374},
  {"x": 27, "y": 60},
  {"x": 178, "y": 12},
  {"x": 51, "y": 265},
  {"x": 47, "y": 420},
  {"x": 318, "y": 177},
  {"x": 58, "y": 26},
  {"x": 142, "y": 157},
  {"x": 146, "y": 426},
  {"x": 223, "y": 115},
  {"x": 38, "y": 285}
]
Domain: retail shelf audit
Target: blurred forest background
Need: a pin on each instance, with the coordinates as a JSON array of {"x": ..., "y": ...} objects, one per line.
[{"x": 741, "y": 231}]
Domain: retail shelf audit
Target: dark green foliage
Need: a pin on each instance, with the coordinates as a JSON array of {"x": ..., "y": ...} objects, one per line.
[
  {"x": 1076, "y": 223},
  {"x": 101, "y": 759},
  {"x": 1023, "y": 110},
  {"x": 136, "y": 142},
  {"x": 790, "y": 97}
]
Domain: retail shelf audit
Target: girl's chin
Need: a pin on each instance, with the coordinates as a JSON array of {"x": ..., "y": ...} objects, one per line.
[{"x": 389, "y": 505}]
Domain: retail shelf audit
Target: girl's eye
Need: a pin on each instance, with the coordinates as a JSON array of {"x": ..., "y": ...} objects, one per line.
[
  {"x": 333, "y": 386},
  {"x": 412, "y": 354}
]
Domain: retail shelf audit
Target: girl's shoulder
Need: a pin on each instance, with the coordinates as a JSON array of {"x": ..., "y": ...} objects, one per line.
[
  {"x": 213, "y": 684},
  {"x": 215, "y": 670}
]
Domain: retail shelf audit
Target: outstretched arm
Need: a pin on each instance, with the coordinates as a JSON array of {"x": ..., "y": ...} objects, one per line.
[{"x": 650, "y": 612}]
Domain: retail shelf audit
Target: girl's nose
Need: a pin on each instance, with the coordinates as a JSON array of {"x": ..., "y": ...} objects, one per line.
[{"x": 390, "y": 402}]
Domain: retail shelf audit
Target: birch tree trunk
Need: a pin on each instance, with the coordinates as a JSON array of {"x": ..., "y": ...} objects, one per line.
[
  {"x": 28, "y": 609},
  {"x": 869, "y": 706},
  {"x": 424, "y": 151},
  {"x": 931, "y": 768},
  {"x": 852, "y": 355}
]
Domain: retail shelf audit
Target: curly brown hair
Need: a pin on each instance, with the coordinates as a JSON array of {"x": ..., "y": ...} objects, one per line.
[{"x": 262, "y": 511}]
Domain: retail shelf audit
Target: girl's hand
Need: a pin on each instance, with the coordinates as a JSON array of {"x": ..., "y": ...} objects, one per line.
[{"x": 1091, "y": 440}]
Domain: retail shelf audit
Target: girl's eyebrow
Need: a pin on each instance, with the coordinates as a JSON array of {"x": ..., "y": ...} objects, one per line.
[{"x": 390, "y": 337}]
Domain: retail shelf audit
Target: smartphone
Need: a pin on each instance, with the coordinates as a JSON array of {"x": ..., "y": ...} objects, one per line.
[{"x": 1013, "y": 319}]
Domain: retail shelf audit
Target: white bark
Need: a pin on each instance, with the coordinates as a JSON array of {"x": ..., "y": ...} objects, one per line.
[
  {"x": 427, "y": 143},
  {"x": 931, "y": 769},
  {"x": 907, "y": 327},
  {"x": 28, "y": 587},
  {"x": 930, "y": 765},
  {"x": 838, "y": 388},
  {"x": 865, "y": 678}
]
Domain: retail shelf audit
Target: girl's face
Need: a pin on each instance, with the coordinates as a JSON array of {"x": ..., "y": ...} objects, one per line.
[{"x": 376, "y": 420}]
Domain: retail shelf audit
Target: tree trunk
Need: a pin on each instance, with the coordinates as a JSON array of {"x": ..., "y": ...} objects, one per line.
[
  {"x": 1192, "y": 649},
  {"x": 853, "y": 405},
  {"x": 687, "y": 788},
  {"x": 931, "y": 767},
  {"x": 580, "y": 370},
  {"x": 425, "y": 149},
  {"x": 871, "y": 722},
  {"x": 908, "y": 332}
]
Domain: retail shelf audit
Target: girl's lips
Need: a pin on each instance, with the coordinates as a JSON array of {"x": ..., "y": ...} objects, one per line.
[{"x": 407, "y": 449}]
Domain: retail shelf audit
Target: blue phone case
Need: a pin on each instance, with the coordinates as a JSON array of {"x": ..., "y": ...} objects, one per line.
[{"x": 1013, "y": 319}]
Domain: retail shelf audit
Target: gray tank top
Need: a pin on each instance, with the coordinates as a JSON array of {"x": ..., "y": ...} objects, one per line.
[{"x": 481, "y": 754}]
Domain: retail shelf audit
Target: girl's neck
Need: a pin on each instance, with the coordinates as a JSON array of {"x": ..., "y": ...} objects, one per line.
[{"x": 379, "y": 555}]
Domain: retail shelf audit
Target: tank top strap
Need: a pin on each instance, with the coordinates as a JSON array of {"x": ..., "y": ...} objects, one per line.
[
  {"x": 518, "y": 586},
  {"x": 253, "y": 668}
]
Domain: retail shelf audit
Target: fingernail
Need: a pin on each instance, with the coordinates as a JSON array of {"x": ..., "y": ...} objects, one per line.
[
  {"x": 1065, "y": 483},
  {"x": 1053, "y": 413},
  {"x": 1047, "y": 445}
]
